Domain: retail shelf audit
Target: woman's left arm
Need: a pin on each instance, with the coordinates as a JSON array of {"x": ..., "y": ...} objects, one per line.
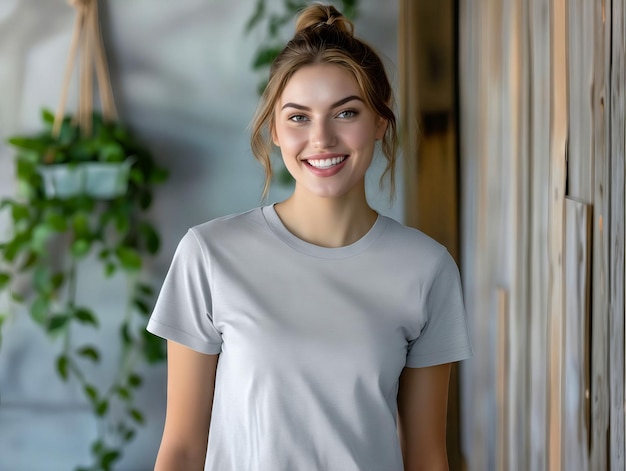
[{"x": 422, "y": 411}]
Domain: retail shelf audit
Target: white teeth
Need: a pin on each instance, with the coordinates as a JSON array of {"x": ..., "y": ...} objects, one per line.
[{"x": 326, "y": 163}]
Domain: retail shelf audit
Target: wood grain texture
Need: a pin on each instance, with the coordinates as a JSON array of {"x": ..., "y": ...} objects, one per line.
[
  {"x": 558, "y": 144},
  {"x": 577, "y": 258},
  {"x": 600, "y": 449},
  {"x": 539, "y": 97},
  {"x": 617, "y": 350}
]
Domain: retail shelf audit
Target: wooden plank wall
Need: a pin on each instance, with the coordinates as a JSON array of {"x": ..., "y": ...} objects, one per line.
[
  {"x": 617, "y": 151},
  {"x": 542, "y": 233}
]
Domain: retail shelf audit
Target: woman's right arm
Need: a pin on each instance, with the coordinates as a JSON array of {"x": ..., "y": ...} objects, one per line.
[{"x": 190, "y": 387}]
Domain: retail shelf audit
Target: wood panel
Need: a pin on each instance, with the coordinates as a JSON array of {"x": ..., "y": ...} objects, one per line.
[
  {"x": 575, "y": 400},
  {"x": 539, "y": 96},
  {"x": 427, "y": 71},
  {"x": 502, "y": 383},
  {"x": 542, "y": 119},
  {"x": 558, "y": 144},
  {"x": 617, "y": 145}
]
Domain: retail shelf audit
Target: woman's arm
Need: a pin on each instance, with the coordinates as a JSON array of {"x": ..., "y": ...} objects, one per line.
[
  {"x": 190, "y": 387},
  {"x": 422, "y": 410}
]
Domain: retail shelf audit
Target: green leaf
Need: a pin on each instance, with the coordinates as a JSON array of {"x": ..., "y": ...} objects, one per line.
[
  {"x": 62, "y": 367},
  {"x": 80, "y": 223},
  {"x": 124, "y": 393},
  {"x": 134, "y": 380},
  {"x": 122, "y": 222},
  {"x": 145, "y": 289},
  {"x": 42, "y": 280},
  {"x": 38, "y": 144},
  {"x": 30, "y": 261},
  {"x": 141, "y": 306},
  {"x": 56, "y": 222},
  {"x": 57, "y": 322},
  {"x": 109, "y": 269},
  {"x": 57, "y": 280},
  {"x": 18, "y": 298},
  {"x": 97, "y": 447},
  {"x": 91, "y": 392},
  {"x": 85, "y": 316},
  {"x": 145, "y": 199},
  {"x": 102, "y": 408},
  {"x": 80, "y": 247},
  {"x": 39, "y": 310},
  {"x": 111, "y": 152},
  {"x": 41, "y": 235},
  {"x": 129, "y": 435},
  {"x": 158, "y": 175},
  {"x": 89, "y": 352},
  {"x": 257, "y": 16},
  {"x": 109, "y": 458},
  {"x": 19, "y": 212},
  {"x": 5, "y": 279},
  {"x": 136, "y": 415},
  {"x": 265, "y": 56},
  {"x": 129, "y": 258},
  {"x": 151, "y": 237},
  {"x": 47, "y": 116},
  {"x": 125, "y": 334},
  {"x": 137, "y": 176},
  {"x": 154, "y": 348}
]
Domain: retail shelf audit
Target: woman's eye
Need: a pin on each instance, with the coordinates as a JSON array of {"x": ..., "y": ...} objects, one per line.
[
  {"x": 347, "y": 114},
  {"x": 297, "y": 118}
]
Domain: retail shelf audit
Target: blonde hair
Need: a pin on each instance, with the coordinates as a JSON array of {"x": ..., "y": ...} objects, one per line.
[{"x": 324, "y": 35}]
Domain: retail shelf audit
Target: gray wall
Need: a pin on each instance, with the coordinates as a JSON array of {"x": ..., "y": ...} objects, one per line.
[{"x": 182, "y": 81}]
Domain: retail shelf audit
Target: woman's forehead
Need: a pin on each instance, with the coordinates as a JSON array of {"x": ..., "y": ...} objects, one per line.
[{"x": 321, "y": 84}]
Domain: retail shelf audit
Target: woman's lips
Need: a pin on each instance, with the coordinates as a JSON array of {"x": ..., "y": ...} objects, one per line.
[{"x": 326, "y": 165}]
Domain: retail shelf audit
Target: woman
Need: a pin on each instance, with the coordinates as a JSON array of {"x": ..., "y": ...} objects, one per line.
[{"x": 312, "y": 334}]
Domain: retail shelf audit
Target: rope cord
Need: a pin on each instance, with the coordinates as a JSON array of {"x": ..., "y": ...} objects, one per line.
[{"x": 87, "y": 36}]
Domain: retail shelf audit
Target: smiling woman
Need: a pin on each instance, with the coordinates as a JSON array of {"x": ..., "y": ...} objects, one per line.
[{"x": 312, "y": 333}]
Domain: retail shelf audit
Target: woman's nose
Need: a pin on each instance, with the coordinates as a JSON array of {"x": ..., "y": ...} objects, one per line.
[{"x": 322, "y": 135}]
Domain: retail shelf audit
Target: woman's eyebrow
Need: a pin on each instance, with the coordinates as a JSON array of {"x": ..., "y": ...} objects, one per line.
[{"x": 343, "y": 101}]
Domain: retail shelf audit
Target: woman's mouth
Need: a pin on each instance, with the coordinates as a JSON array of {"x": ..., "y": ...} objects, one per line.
[{"x": 326, "y": 163}]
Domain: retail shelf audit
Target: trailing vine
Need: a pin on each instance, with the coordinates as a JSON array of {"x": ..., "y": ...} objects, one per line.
[{"x": 50, "y": 240}]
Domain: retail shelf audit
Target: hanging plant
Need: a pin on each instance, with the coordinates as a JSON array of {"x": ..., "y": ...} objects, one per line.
[{"x": 84, "y": 185}]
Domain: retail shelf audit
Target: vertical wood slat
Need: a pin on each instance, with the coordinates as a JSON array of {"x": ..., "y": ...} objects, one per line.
[
  {"x": 474, "y": 86},
  {"x": 600, "y": 451},
  {"x": 617, "y": 314},
  {"x": 577, "y": 257},
  {"x": 472, "y": 92},
  {"x": 558, "y": 142},
  {"x": 540, "y": 58},
  {"x": 502, "y": 383}
]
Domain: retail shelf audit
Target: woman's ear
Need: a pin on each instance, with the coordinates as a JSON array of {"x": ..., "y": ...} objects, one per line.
[
  {"x": 274, "y": 136},
  {"x": 381, "y": 128}
]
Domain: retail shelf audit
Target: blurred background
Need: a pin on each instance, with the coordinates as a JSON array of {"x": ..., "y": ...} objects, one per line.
[{"x": 512, "y": 126}]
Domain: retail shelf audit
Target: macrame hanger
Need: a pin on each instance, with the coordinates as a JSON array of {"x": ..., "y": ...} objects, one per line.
[{"x": 87, "y": 35}]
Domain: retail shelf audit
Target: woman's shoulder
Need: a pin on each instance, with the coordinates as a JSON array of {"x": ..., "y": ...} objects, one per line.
[
  {"x": 229, "y": 223},
  {"x": 410, "y": 237},
  {"x": 414, "y": 247}
]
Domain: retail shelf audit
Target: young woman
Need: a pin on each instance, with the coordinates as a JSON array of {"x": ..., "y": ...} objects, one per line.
[{"x": 312, "y": 334}]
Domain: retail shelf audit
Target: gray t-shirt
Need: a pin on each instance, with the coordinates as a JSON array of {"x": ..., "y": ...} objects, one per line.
[{"x": 312, "y": 340}]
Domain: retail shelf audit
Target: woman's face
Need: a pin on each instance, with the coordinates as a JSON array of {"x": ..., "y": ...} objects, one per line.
[{"x": 325, "y": 131}]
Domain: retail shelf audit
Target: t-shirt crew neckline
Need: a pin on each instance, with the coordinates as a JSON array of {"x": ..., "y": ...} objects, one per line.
[{"x": 332, "y": 253}]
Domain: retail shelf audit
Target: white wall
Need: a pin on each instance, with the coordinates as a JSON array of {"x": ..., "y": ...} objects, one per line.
[{"x": 182, "y": 81}]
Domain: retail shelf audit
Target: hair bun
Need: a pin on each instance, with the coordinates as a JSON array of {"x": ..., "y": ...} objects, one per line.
[{"x": 317, "y": 15}]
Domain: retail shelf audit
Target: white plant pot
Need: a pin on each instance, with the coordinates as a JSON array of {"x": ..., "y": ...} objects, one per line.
[{"x": 102, "y": 180}]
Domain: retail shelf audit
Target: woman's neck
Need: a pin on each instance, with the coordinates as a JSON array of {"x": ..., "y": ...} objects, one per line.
[{"x": 327, "y": 222}]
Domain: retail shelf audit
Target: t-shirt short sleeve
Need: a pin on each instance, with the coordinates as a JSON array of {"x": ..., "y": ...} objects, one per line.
[
  {"x": 444, "y": 337},
  {"x": 183, "y": 309}
]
